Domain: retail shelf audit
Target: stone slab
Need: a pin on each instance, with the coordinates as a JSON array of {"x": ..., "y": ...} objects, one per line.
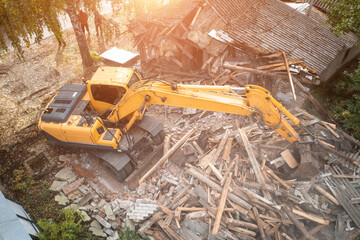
[
  {"x": 65, "y": 174},
  {"x": 55, "y": 185}
]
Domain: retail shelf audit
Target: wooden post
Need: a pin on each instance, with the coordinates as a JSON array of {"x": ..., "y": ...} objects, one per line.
[
  {"x": 289, "y": 74},
  {"x": 168, "y": 154},
  {"x": 221, "y": 206}
]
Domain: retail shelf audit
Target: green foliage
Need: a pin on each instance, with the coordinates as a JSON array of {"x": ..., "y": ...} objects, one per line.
[
  {"x": 344, "y": 103},
  {"x": 94, "y": 56},
  {"x": 344, "y": 16},
  {"x": 68, "y": 225},
  {"x": 24, "y": 20},
  {"x": 22, "y": 182},
  {"x": 127, "y": 234}
]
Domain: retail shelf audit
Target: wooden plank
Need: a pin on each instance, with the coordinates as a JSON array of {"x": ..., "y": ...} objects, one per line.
[
  {"x": 289, "y": 159},
  {"x": 330, "y": 129},
  {"x": 242, "y": 224},
  {"x": 212, "y": 184},
  {"x": 284, "y": 184},
  {"x": 345, "y": 176},
  {"x": 167, "y": 145},
  {"x": 326, "y": 194},
  {"x": 198, "y": 148},
  {"x": 254, "y": 163},
  {"x": 231, "y": 166},
  {"x": 311, "y": 217},
  {"x": 227, "y": 149},
  {"x": 168, "y": 154},
  {"x": 216, "y": 171},
  {"x": 289, "y": 75},
  {"x": 221, "y": 206},
  {"x": 279, "y": 63},
  {"x": 206, "y": 159},
  {"x": 221, "y": 146},
  {"x": 164, "y": 209}
]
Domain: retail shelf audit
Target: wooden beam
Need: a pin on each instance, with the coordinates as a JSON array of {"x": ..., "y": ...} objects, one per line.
[
  {"x": 196, "y": 16},
  {"x": 311, "y": 217},
  {"x": 227, "y": 149},
  {"x": 326, "y": 194},
  {"x": 221, "y": 206},
  {"x": 169, "y": 153}
]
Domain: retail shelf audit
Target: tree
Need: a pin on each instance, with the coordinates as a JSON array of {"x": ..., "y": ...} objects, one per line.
[
  {"x": 24, "y": 20},
  {"x": 344, "y": 16},
  {"x": 344, "y": 101}
]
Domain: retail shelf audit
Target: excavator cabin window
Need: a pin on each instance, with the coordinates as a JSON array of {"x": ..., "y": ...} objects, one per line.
[
  {"x": 134, "y": 78},
  {"x": 108, "y": 94}
]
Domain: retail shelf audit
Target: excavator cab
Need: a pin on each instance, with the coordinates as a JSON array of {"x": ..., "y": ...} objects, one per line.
[{"x": 108, "y": 86}]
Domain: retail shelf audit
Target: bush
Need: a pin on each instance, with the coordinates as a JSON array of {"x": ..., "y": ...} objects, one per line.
[
  {"x": 68, "y": 225},
  {"x": 128, "y": 234},
  {"x": 343, "y": 101}
]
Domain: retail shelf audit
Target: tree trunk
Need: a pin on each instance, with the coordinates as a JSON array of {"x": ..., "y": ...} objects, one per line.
[{"x": 80, "y": 36}]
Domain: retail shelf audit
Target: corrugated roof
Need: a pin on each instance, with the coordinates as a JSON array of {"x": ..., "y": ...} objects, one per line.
[{"x": 272, "y": 26}]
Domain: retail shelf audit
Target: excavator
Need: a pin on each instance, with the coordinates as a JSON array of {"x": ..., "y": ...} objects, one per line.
[{"x": 107, "y": 113}]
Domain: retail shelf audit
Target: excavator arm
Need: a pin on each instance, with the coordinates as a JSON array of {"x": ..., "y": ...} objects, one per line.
[{"x": 254, "y": 100}]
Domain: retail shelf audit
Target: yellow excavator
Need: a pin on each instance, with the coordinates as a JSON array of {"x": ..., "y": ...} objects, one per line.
[{"x": 108, "y": 113}]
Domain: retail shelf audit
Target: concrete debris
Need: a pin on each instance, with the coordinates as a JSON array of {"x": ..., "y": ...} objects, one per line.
[
  {"x": 61, "y": 199},
  {"x": 125, "y": 204},
  {"x": 73, "y": 186},
  {"x": 102, "y": 221},
  {"x": 65, "y": 174},
  {"x": 85, "y": 215},
  {"x": 97, "y": 232},
  {"x": 143, "y": 209},
  {"x": 54, "y": 186}
]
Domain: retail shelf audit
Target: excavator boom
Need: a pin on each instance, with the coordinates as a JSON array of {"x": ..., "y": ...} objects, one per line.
[{"x": 255, "y": 100}]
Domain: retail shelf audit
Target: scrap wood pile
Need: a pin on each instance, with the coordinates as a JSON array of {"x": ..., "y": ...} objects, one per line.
[{"x": 248, "y": 183}]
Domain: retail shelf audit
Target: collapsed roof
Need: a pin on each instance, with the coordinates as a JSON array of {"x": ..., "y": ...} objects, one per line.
[{"x": 254, "y": 26}]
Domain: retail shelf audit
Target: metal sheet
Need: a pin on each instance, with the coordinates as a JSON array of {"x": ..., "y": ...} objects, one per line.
[{"x": 119, "y": 55}]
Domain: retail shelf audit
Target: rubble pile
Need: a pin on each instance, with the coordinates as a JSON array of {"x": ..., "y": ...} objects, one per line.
[{"x": 236, "y": 180}]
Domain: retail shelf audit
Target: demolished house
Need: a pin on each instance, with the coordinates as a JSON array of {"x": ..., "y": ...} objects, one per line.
[{"x": 200, "y": 35}]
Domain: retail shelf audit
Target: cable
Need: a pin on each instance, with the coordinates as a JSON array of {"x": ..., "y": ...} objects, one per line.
[{"x": 262, "y": 120}]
